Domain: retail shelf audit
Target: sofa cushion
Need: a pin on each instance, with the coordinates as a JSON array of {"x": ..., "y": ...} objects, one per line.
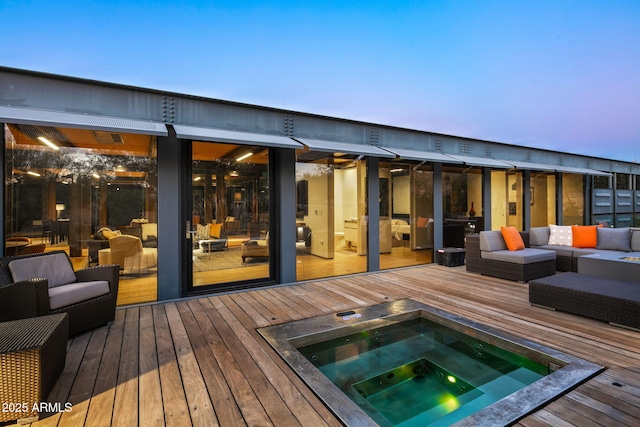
[
  {"x": 584, "y": 236},
  {"x": 565, "y": 251},
  {"x": 560, "y": 235},
  {"x": 524, "y": 256},
  {"x": 62, "y": 296},
  {"x": 635, "y": 239},
  {"x": 512, "y": 238},
  {"x": 539, "y": 236},
  {"x": 615, "y": 239},
  {"x": 584, "y": 251},
  {"x": 605, "y": 253},
  {"x": 492, "y": 241},
  {"x": 56, "y": 268}
]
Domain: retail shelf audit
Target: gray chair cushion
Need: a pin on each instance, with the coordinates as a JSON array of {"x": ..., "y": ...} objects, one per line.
[
  {"x": 65, "y": 295},
  {"x": 56, "y": 268},
  {"x": 524, "y": 256},
  {"x": 615, "y": 239},
  {"x": 492, "y": 241},
  {"x": 539, "y": 236}
]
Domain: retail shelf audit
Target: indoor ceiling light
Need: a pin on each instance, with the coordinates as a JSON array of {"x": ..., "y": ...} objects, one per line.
[
  {"x": 233, "y": 173},
  {"x": 244, "y": 156},
  {"x": 197, "y": 178},
  {"x": 95, "y": 175},
  {"x": 49, "y": 143},
  {"x": 33, "y": 173}
]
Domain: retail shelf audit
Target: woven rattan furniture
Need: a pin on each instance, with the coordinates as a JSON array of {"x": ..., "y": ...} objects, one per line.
[
  {"x": 614, "y": 301},
  {"x": 29, "y": 298},
  {"x": 534, "y": 263},
  {"x": 32, "y": 356}
]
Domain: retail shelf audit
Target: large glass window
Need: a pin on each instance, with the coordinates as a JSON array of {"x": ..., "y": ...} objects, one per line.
[
  {"x": 229, "y": 213},
  {"x": 573, "y": 199},
  {"x": 331, "y": 214},
  {"x": 623, "y": 181},
  {"x": 543, "y": 199},
  {"x": 406, "y": 214},
  {"x": 462, "y": 204},
  {"x": 75, "y": 190},
  {"x": 506, "y": 200}
]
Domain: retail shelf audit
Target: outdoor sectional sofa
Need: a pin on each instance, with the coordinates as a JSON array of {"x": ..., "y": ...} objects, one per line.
[
  {"x": 573, "y": 252},
  {"x": 569, "y": 245}
]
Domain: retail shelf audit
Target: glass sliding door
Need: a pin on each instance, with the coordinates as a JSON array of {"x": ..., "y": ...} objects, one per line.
[
  {"x": 573, "y": 199},
  {"x": 406, "y": 214},
  {"x": 229, "y": 222},
  {"x": 462, "y": 204},
  {"x": 543, "y": 199},
  {"x": 507, "y": 208},
  {"x": 331, "y": 220},
  {"x": 90, "y": 193}
]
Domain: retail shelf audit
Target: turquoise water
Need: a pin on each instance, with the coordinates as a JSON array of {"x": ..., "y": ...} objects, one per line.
[{"x": 419, "y": 373}]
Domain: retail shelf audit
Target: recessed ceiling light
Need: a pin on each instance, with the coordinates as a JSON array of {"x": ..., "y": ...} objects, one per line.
[
  {"x": 244, "y": 156},
  {"x": 49, "y": 143}
]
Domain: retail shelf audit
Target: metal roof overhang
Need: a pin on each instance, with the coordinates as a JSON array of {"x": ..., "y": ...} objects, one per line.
[
  {"x": 581, "y": 171},
  {"x": 481, "y": 161},
  {"x": 343, "y": 147},
  {"x": 229, "y": 136},
  {"x": 422, "y": 155},
  {"x": 531, "y": 166},
  {"x": 30, "y": 116}
]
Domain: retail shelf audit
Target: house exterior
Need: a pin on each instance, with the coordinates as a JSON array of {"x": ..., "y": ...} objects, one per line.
[{"x": 225, "y": 195}]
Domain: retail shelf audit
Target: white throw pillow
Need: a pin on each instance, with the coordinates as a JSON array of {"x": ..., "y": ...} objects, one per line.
[
  {"x": 202, "y": 232},
  {"x": 560, "y": 235}
]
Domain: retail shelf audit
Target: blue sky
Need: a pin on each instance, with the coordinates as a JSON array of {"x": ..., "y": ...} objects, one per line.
[{"x": 557, "y": 74}]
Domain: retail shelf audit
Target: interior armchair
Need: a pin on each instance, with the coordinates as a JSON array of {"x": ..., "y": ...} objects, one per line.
[
  {"x": 45, "y": 283},
  {"x": 127, "y": 251}
]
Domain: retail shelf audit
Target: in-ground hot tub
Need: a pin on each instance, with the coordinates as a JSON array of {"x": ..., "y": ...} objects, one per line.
[{"x": 404, "y": 363}]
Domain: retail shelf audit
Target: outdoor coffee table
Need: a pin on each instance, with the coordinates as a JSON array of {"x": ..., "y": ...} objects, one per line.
[{"x": 612, "y": 266}]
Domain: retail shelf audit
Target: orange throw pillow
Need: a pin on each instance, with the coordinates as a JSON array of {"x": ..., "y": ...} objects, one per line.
[
  {"x": 214, "y": 231},
  {"x": 422, "y": 222},
  {"x": 584, "y": 236},
  {"x": 512, "y": 238}
]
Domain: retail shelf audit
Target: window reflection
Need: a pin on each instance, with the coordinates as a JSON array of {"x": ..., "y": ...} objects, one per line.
[{"x": 75, "y": 189}]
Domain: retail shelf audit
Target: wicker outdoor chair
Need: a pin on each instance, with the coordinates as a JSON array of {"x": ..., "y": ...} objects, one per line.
[{"x": 88, "y": 296}]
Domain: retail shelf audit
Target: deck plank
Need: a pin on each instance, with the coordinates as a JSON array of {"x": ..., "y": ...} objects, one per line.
[
  {"x": 101, "y": 405},
  {"x": 202, "y": 361},
  {"x": 151, "y": 410},
  {"x": 174, "y": 401},
  {"x": 195, "y": 389},
  {"x": 125, "y": 408}
]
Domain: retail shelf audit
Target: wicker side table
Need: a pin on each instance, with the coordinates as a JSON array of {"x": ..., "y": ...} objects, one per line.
[{"x": 32, "y": 357}]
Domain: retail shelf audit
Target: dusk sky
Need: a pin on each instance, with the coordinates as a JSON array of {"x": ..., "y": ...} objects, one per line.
[{"x": 557, "y": 74}]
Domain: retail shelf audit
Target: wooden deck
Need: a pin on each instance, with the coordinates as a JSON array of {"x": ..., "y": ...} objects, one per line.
[{"x": 201, "y": 361}]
